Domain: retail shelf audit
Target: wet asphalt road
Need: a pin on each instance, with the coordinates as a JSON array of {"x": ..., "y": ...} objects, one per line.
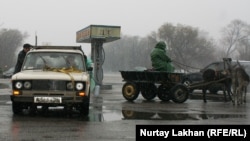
[{"x": 112, "y": 118}]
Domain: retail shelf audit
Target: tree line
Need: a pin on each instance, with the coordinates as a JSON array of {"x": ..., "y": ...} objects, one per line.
[{"x": 189, "y": 48}]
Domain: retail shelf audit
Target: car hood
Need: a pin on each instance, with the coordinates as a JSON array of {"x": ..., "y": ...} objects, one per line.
[
  {"x": 194, "y": 73},
  {"x": 39, "y": 74}
]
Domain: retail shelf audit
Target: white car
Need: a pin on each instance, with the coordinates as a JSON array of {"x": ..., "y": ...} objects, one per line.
[{"x": 48, "y": 78}]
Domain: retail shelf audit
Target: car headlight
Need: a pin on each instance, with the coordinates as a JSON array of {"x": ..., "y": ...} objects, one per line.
[
  {"x": 70, "y": 85},
  {"x": 19, "y": 85},
  {"x": 79, "y": 86},
  {"x": 27, "y": 85}
]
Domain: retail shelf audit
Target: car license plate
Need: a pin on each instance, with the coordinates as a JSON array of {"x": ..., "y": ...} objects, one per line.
[{"x": 47, "y": 100}]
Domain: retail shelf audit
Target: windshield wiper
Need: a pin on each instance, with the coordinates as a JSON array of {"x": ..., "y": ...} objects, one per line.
[
  {"x": 67, "y": 62},
  {"x": 45, "y": 66}
]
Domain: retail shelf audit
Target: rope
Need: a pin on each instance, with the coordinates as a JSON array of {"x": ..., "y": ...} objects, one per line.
[{"x": 64, "y": 70}]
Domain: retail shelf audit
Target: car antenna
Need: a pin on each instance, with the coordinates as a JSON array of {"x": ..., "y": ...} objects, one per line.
[{"x": 35, "y": 39}]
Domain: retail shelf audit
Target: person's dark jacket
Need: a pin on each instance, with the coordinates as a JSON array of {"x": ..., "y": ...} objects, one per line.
[
  {"x": 160, "y": 60},
  {"x": 20, "y": 59}
]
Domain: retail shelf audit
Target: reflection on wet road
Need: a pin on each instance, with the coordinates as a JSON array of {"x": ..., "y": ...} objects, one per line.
[
  {"x": 111, "y": 109},
  {"x": 100, "y": 113},
  {"x": 175, "y": 116}
]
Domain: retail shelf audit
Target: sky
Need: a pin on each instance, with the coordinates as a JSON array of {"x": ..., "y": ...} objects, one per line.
[{"x": 57, "y": 21}]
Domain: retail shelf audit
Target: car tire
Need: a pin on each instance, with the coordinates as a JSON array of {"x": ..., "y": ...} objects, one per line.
[
  {"x": 16, "y": 108},
  {"x": 84, "y": 106},
  {"x": 213, "y": 89}
]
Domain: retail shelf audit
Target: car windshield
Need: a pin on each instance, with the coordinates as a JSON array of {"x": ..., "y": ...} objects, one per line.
[{"x": 59, "y": 60}]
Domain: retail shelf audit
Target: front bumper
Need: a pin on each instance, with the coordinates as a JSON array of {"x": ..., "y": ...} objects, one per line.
[{"x": 54, "y": 98}]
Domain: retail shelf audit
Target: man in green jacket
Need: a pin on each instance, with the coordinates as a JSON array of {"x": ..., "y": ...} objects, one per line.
[{"x": 160, "y": 60}]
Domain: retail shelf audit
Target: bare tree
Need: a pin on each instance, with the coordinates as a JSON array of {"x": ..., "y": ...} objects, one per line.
[
  {"x": 235, "y": 38},
  {"x": 11, "y": 41},
  {"x": 244, "y": 50},
  {"x": 186, "y": 46}
]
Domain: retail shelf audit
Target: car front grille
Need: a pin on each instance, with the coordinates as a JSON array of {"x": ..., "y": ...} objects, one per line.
[{"x": 50, "y": 85}]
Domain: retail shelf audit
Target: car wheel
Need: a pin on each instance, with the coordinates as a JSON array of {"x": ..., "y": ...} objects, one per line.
[
  {"x": 84, "y": 107},
  {"x": 16, "y": 108},
  {"x": 214, "y": 88}
]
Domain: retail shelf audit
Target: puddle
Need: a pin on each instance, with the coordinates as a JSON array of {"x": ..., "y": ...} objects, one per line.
[{"x": 115, "y": 115}]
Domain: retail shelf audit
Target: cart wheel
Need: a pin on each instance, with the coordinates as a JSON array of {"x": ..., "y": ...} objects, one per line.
[
  {"x": 164, "y": 93},
  {"x": 149, "y": 91},
  {"x": 179, "y": 93},
  {"x": 130, "y": 91}
]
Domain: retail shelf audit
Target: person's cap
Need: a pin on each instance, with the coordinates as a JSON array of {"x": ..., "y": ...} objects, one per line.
[{"x": 27, "y": 46}]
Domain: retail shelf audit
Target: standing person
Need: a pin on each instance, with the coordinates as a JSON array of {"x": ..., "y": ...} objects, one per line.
[
  {"x": 21, "y": 56},
  {"x": 160, "y": 60},
  {"x": 92, "y": 81}
]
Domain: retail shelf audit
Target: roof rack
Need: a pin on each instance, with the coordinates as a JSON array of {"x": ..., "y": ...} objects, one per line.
[{"x": 59, "y": 47}]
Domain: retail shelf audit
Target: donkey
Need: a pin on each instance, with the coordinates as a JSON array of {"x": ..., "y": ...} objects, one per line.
[
  {"x": 211, "y": 76},
  {"x": 240, "y": 81}
]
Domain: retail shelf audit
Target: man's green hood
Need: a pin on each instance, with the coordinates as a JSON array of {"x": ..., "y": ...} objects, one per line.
[{"x": 161, "y": 45}]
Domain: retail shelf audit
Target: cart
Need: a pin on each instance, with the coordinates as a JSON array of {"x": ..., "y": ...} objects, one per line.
[{"x": 167, "y": 86}]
